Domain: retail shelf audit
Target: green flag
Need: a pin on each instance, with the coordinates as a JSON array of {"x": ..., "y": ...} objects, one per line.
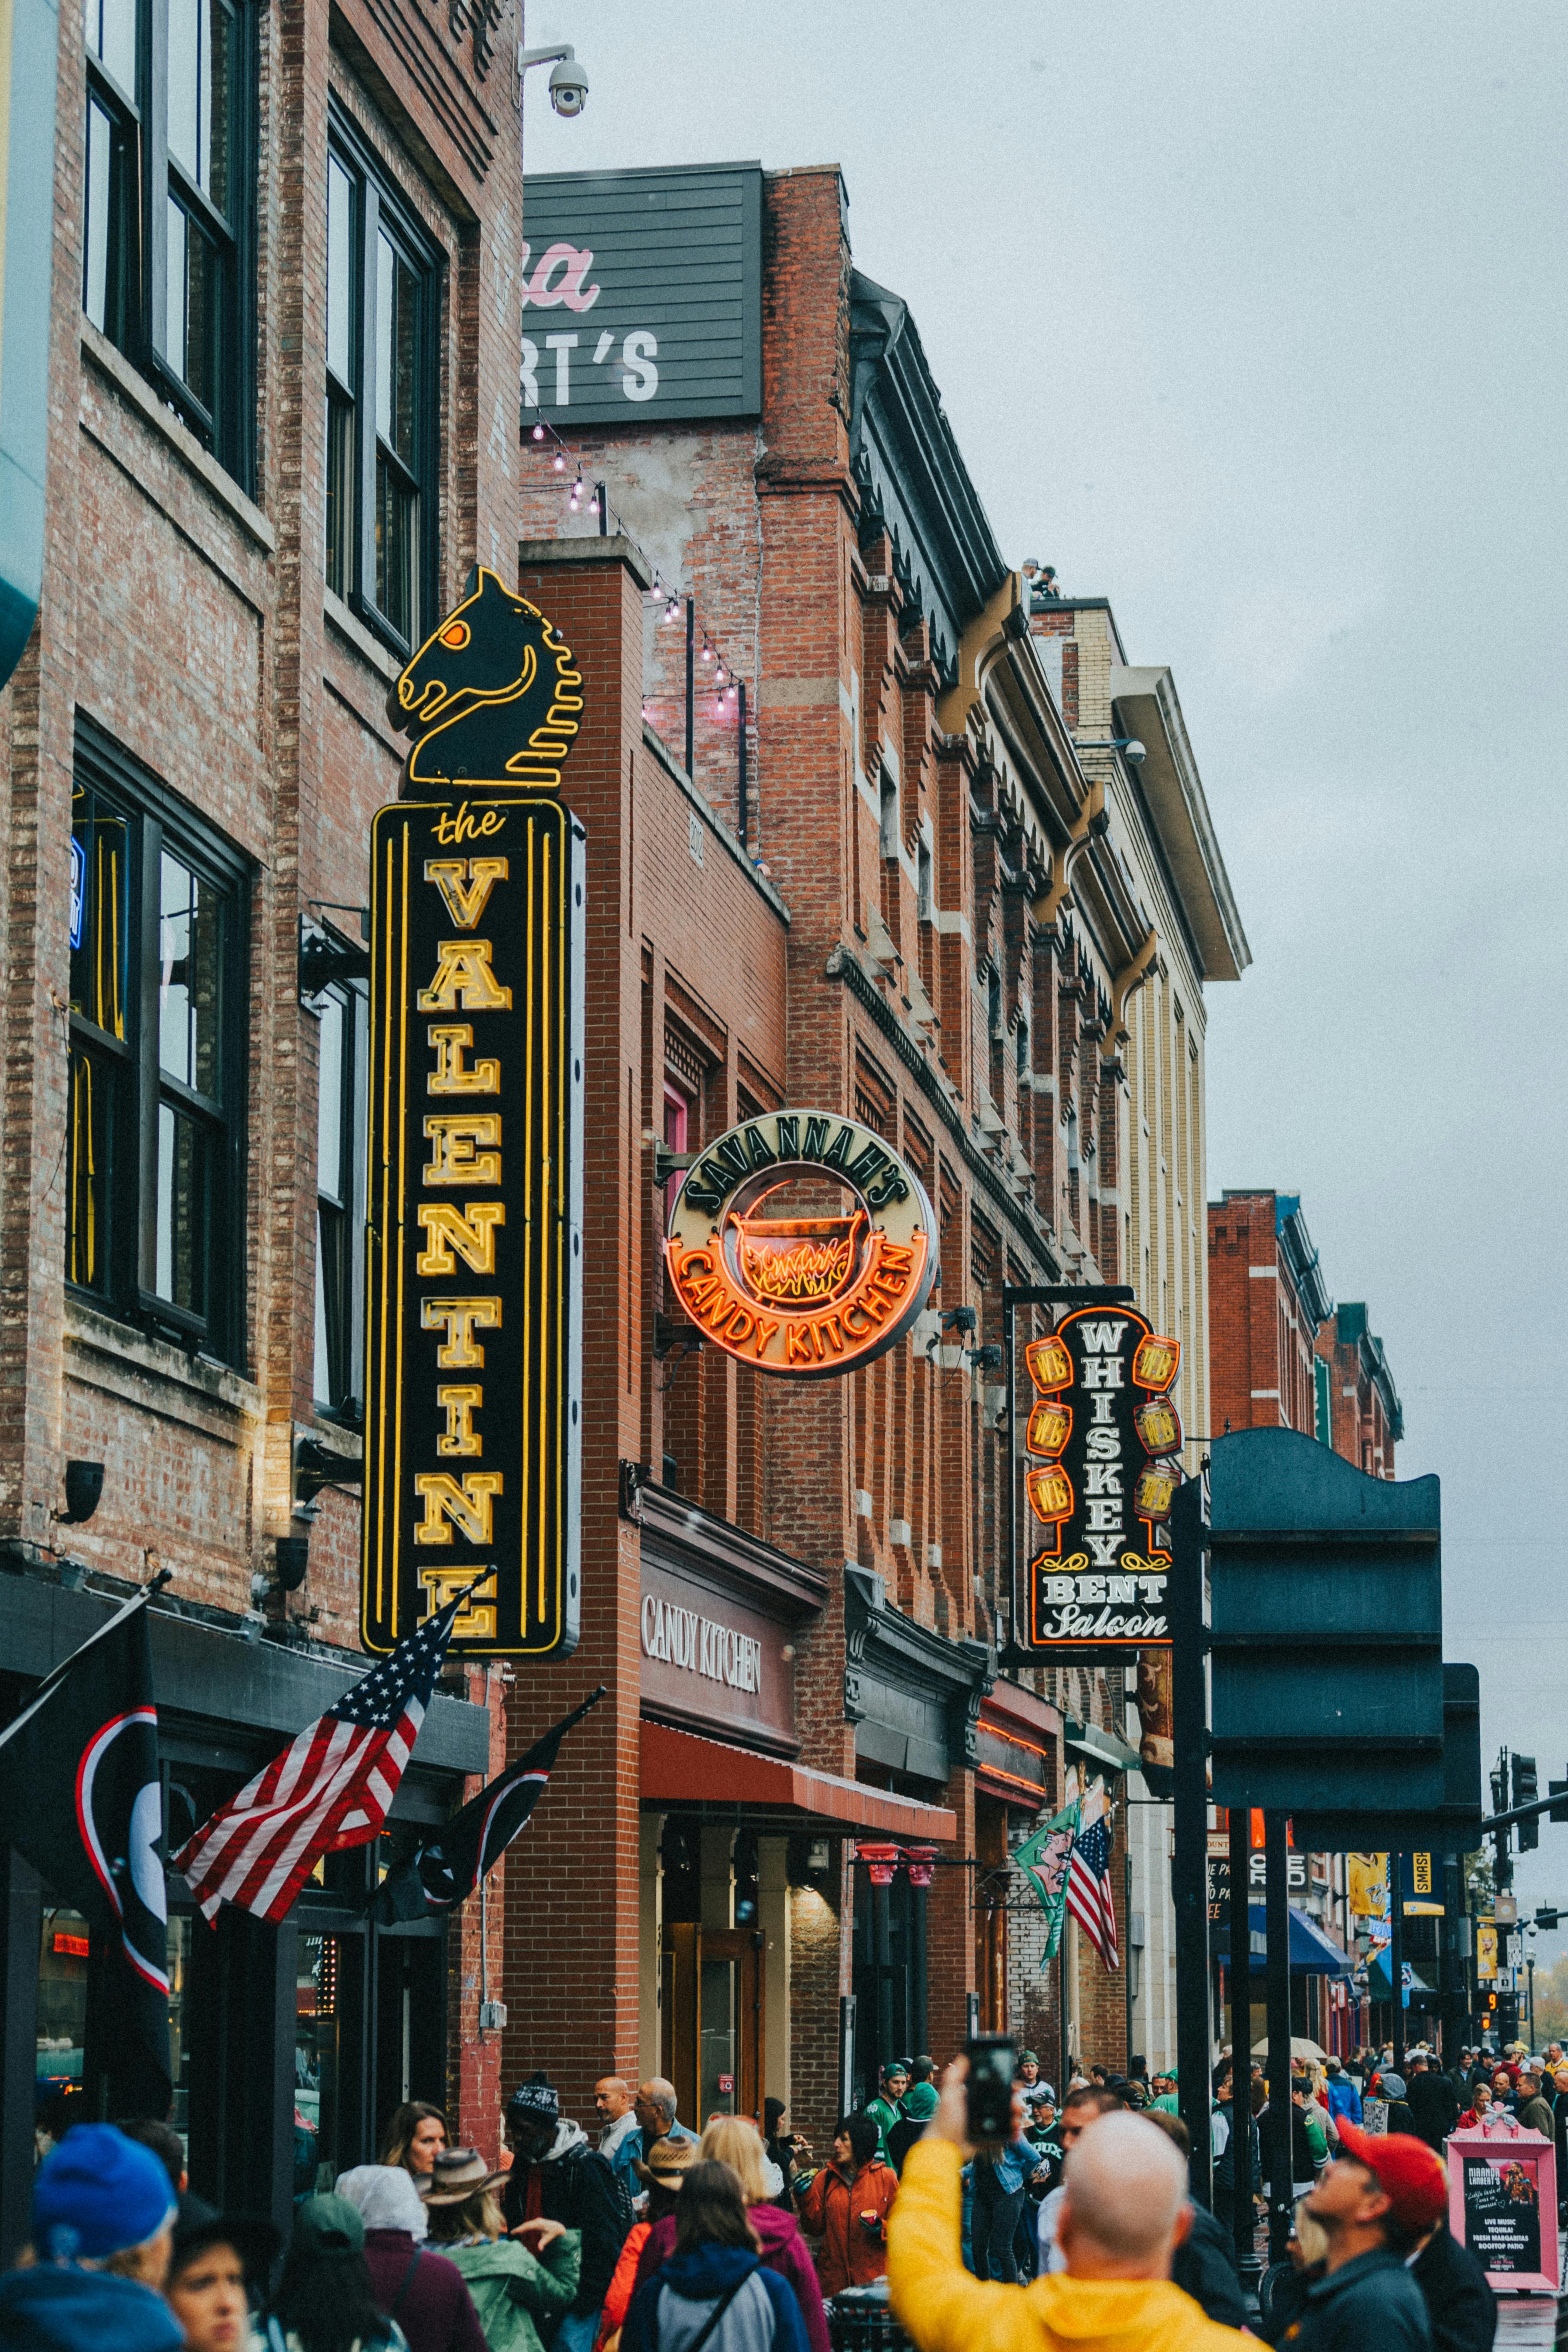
[{"x": 1044, "y": 1859}]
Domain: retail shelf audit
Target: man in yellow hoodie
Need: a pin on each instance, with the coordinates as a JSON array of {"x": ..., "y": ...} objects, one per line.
[{"x": 1126, "y": 2211}]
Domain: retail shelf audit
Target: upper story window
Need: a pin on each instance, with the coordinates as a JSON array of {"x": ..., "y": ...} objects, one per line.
[
  {"x": 340, "y": 1144},
  {"x": 156, "y": 1169},
  {"x": 381, "y": 395},
  {"x": 167, "y": 269}
]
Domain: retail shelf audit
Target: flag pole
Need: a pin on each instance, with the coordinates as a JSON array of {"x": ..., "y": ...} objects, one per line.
[{"x": 56, "y": 1674}]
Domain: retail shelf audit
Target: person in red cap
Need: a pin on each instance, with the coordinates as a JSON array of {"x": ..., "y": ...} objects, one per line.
[{"x": 1375, "y": 2204}]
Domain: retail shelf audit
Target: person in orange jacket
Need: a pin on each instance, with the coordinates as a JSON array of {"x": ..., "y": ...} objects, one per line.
[{"x": 847, "y": 2206}]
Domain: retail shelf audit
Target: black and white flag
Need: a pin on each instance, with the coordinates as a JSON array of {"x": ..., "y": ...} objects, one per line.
[
  {"x": 81, "y": 1798},
  {"x": 448, "y": 1866}
]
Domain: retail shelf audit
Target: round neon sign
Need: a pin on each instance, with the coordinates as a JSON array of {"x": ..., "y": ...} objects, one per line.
[{"x": 802, "y": 1244}]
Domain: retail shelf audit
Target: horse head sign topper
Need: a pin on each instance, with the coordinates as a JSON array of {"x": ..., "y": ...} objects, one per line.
[
  {"x": 810, "y": 1294},
  {"x": 493, "y": 698}
]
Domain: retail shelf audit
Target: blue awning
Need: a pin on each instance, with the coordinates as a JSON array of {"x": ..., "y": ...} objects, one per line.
[{"x": 1311, "y": 1953}]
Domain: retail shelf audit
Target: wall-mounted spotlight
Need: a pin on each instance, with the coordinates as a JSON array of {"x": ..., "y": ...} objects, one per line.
[
  {"x": 84, "y": 1487},
  {"x": 1129, "y": 746}
]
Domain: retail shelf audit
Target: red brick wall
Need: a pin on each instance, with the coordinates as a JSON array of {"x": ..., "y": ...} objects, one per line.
[{"x": 190, "y": 621}]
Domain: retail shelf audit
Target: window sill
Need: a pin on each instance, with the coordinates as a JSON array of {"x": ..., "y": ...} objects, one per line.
[
  {"x": 99, "y": 1334},
  {"x": 364, "y": 642},
  {"x": 135, "y": 388}
]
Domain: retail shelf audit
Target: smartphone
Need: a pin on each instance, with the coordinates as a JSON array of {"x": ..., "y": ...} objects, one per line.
[{"x": 993, "y": 2063}]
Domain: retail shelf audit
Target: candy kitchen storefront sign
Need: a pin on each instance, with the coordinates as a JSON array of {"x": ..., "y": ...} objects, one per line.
[
  {"x": 802, "y": 1244},
  {"x": 714, "y": 1660},
  {"x": 1103, "y": 1435},
  {"x": 473, "y": 1352}
]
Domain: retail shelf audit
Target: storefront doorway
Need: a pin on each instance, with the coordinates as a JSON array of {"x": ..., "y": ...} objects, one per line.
[
  {"x": 713, "y": 2019},
  {"x": 890, "y": 1959}
]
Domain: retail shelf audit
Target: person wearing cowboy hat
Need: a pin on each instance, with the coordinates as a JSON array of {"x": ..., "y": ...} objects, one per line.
[
  {"x": 661, "y": 2172},
  {"x": 515, "y": 2282}
]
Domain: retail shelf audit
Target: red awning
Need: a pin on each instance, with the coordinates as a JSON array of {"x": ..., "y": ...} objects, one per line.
[{"x": 679, "y": 1769}]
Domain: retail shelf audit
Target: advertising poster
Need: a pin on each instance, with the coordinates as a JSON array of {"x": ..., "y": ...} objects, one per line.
[{"x": 1502, "y": 2203}]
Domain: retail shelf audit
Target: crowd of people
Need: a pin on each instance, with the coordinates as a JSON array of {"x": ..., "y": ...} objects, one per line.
[{"x": 1077, "y": 2227}]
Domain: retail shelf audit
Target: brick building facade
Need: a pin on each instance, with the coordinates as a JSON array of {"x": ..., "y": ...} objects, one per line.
[
  {"x": 1284, "y": 1355},
  {"x": 991, "y": 949},
  {"x": 284, "y": 327},
  {"x": 1267, "y": 1305},
  {"x": 1367, "y": 1419}
]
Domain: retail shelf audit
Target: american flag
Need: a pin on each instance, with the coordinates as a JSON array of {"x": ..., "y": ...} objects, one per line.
[
  {"x": 1088, "y": 1889},
  {"x": 331, "y": 1789}
]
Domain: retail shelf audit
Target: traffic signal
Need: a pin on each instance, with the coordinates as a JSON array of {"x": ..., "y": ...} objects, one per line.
[
  {"x": 1558, "y": 1789},
  {"x": 1498, "y": 1778},
  {"x": 1525, "y": 1790},
  {"x": 1546, "y": 1917}
]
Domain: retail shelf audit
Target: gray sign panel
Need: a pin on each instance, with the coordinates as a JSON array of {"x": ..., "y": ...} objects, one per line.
[{"x": 642, "y": 294}]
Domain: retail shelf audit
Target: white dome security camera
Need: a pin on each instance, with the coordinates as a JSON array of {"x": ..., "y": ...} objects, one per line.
[
  {"x": 568, "y": 87},
  {"x": 1134, "y": 752}
]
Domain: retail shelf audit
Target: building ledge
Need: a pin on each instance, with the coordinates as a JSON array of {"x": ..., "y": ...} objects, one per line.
[{"x": 135, "y": 390}]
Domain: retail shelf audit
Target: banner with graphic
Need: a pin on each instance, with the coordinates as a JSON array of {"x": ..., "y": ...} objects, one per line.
[{"x": 1045, "y": 1860}]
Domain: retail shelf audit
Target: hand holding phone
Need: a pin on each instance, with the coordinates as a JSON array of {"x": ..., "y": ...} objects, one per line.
[{"x": 993, "y": 2063}]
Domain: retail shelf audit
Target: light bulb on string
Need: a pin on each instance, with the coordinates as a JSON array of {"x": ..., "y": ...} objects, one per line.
[
  {"x": 559, "y": 461},
  {"x": 575, "y": 500},
  {"x": 539, "y": 432},
  {"x": 707, "y": 651}
]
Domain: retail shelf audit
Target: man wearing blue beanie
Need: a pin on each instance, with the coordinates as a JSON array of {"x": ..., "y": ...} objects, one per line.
[{"x": 102, "y": 2215}]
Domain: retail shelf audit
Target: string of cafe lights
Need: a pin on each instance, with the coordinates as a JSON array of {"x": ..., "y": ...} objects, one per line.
[{"x": 583, "y": 498}]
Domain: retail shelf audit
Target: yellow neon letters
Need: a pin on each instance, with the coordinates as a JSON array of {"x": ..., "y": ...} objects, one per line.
[
  {"x": 464, "y": 980},
  {"x": 450, "y": 1076},
  {"x": 465, "y": 883},
  {"x": 457, "y": 1156},
  {"x": 468, "y": 1504},
  {"x": 459, "y": 1318},
  {"x": 470, "y": 1231}
]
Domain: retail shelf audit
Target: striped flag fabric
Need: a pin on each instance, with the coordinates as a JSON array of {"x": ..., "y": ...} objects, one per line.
[
  {"x": 331, "y": 1789},
  {"x": 1088, "y": 1889}
]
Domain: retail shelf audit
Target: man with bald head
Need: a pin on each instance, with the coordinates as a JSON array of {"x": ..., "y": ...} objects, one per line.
[
  {"x": 620, "y": 2137},
  {"x": 1124, "y": 2213},
  {"x": 655, "y": 2112}
]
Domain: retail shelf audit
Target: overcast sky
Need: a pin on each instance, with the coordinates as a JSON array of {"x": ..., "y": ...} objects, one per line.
[{"x": 1250, "y": 315}]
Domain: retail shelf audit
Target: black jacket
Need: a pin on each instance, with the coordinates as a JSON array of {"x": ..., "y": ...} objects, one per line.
[
  {"x": 1461, "y": 2308},
  {"x": 1434, "y": 2106},
  {"x": 580, "y": 2190},
  {"x": 1203, "y": 2266},
  {"x": 1303, "y": 2163},
  {"x": 1372, "y": 2305}
]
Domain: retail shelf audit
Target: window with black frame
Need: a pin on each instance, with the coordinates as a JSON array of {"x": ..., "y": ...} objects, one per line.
[
  {"x": 345, "y": 1055},
  {"x": 383, "y": 290},
  {"x": 167, "y": 272},
  {"x": 154, "y": 1165}
]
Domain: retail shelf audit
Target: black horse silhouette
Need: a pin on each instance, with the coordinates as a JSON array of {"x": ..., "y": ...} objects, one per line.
[{"x": 491, "y": 698}]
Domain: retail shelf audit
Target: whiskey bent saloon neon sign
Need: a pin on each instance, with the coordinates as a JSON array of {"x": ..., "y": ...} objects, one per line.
[
  {"x": 808, "y": 1296},
  {"x": 1102, "y": 1420}
]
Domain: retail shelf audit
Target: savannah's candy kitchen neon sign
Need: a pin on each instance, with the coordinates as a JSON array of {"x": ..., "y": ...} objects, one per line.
[{"x": 808, "y": 1296}]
